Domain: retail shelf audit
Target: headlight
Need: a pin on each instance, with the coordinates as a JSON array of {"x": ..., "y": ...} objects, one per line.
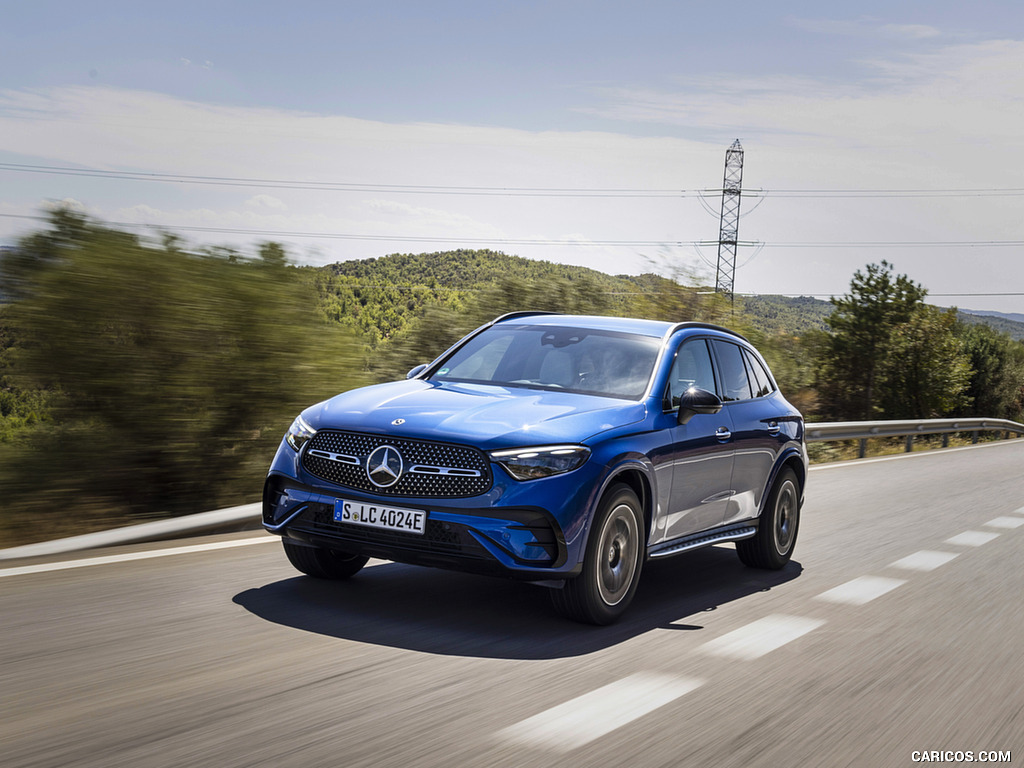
[
  {"x": 533, "y": 463},
  {"x": 299, "y": 433}
]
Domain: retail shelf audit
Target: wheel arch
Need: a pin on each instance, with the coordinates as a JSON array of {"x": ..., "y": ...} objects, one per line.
[
  {"x": 791, "y": 459},
  {"x": 799, "y": 469},
  {"x": 635, "y": 477}
]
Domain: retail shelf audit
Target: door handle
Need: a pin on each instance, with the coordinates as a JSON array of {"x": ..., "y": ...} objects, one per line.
[
  {"x": 723, "y": 434},
  {"x": 774, "y": 428}
]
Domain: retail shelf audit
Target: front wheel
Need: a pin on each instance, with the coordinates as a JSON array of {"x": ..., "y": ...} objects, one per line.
[
  {"x": 323, "y": 563},
  {"x": 772, "y": 546},
  {"x": 611, "y": 565}
]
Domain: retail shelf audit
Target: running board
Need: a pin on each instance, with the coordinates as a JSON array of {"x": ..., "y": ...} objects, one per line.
[{"x": 705, "y": 539}]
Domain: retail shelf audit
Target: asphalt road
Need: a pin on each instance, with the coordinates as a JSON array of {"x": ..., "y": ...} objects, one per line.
[{"x": 898, "y": 628}]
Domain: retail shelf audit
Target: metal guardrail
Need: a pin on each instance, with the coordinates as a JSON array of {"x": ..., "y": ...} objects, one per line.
[
  {"x": 864, "y": 430},
  {"x": 248, "y": 515},
  {"x": 219, "y": 521}
]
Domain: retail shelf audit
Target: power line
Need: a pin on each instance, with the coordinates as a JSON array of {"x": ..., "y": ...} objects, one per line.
[
  {"x": 428, "y": 189},
  {"x": 542, "y": 241},
  {"x": 829, "y": 295},
  {"x": 384, "y": 238},
  {"x": 338, "y": 186},
  {"x": 981, "y": 193},
  {"x": 898, "y": 244}
]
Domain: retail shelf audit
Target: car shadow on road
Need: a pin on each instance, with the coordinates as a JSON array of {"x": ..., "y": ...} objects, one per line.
[{"x": 442, "y": 612}]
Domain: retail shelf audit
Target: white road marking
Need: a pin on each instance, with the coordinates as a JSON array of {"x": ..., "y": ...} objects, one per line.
[
  {"x": 861, "y": 590},
  {"x": 1006, "y": 522},
  {"x": 592, "y": 715},
  {"x": 107, "y": 559},
  {"x": 1019, "y": 511},
  {"x": 758, "y": 638},
  {"x": 925, "y": 560},
  {"x": 972, "y": 538}
]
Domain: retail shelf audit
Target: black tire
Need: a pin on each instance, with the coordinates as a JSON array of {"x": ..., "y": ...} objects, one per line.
[
  {"x": 772, "y": 546},
  {"x": 615, "y": 554},
  {"x": 323, "y": 563}
]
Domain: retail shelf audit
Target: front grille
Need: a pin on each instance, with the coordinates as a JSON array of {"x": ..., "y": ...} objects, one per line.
[{"x": 429, "y": 470}]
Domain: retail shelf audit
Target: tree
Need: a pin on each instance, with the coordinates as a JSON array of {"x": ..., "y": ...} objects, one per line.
[
  {"x": 925, "y": 372},
  {"x": 862, "y": 323},
  {"x": 174, "y": 374},
  {"x": 22, "y": 267},
  {"x": 794, "y": 364},
  {"x": 20, "y": 408},
  {"x": 996, "y": 389}
]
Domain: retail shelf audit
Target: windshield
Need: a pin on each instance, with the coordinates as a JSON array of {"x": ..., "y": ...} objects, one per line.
[{"x": 573, "y": 359}]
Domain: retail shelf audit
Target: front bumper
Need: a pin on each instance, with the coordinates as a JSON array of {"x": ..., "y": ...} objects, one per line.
[{"x": 518, "y": 541}]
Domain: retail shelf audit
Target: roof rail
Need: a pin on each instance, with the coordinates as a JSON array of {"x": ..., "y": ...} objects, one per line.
[
  {"x": 521, "y": 313},
  {"x": 709, "y": 327}
]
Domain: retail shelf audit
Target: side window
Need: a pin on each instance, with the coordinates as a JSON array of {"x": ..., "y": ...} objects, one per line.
[
  {"x": 735, "y": 385},
  {"x": 759, "y": 378},
  {"x": 692, "y": 368}
]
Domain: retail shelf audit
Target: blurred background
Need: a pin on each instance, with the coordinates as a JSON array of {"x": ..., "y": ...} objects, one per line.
[{"x": 145, "y": 378}]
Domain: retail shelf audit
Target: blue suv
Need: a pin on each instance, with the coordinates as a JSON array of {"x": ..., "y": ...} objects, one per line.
[{"x": 562, "y": 450}]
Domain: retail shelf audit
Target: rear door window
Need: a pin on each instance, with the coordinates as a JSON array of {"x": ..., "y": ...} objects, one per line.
[
  {"x": 759, "y": 379},
  {"x": 735, "y": 385}
]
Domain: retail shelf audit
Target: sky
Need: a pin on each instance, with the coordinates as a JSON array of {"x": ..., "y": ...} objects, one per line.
[{"x": 587, "y": 133}]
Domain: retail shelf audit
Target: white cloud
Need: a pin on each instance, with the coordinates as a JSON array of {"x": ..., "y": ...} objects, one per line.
[
  {"x": 266, "y": 202},
  {"x": 67, "y": 204},
  {"x": 394, "y": 208},
  {"x": 436, "y": 219},
  {"x": 909, "y": 31},
  {"x": 865, "y": 26},
  {"x": 915, "y": 104},
  {"x": 132, "y": 130},
  {"x": 845, "y": 27}
]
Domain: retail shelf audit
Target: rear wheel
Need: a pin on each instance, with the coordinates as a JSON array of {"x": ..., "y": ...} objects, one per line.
[
  {"x": 773, "y": 544},
  {"x": 323, "y": 563},
  {"x": 611, "y": 566}
]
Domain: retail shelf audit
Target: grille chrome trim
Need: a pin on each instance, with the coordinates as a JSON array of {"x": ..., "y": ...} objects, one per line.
[
  {"x": 432, "y": 469},
  {"x": 341, "y": 458},
  {"x": 425, "y": 469}
]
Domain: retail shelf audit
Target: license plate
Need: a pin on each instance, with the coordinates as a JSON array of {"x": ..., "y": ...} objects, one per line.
[{"x": 379, "y": 516}]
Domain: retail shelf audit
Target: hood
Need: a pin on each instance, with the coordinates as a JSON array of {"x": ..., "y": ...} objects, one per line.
[{"x": 485, "y": 416}]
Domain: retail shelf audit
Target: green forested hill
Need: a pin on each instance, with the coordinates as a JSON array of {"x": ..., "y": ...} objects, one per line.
[
  {"x": 381, "y": 297},
  {"x": 784, "y": 314},
  {"x": 461, "y": 270},
  {"x": 997, "y": 323}
]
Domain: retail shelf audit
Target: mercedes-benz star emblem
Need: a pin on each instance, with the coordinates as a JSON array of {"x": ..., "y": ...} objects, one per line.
[{"x": 384, "y": 466}]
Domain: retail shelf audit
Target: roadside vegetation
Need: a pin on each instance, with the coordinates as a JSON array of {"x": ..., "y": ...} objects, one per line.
[
  {"x": 147, "y": 380},
  {"x": 141, "y": 380}
]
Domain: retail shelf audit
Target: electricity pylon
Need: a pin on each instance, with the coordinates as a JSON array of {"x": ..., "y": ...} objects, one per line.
[{"x": 728, "y": 233}]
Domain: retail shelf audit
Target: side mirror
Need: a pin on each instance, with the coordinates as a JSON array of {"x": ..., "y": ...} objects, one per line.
[
  {"x": 416, "y": 371},
  {"x": 696, "y": 400}
]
